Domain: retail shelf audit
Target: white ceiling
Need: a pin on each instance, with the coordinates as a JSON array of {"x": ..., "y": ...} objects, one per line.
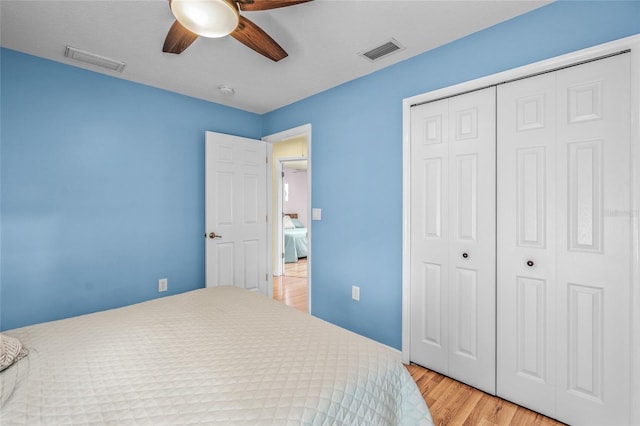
[{"x": 323, "y": 39}]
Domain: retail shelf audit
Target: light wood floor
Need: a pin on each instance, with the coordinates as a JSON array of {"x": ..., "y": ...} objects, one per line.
[
  {"x": 291, "y": 288},
  {"x": 450, "y": 402},
  {"x": 454, "y": 403}
]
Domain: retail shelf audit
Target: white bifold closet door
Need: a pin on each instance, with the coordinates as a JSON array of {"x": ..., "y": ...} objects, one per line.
[
  {"x": 564, "y": 242},
  {"x": 453, "y": 237}
]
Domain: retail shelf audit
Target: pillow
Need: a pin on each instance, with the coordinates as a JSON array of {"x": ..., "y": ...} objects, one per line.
[
  {"x": 11, "y": 350},
  {"x": 287, "y": 223},
  {"x": 297, "y": 223}
]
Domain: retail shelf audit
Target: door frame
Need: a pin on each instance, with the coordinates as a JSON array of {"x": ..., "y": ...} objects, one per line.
[
  {"x": 303, "y": 130},
  {"x": 631, "y": 44}
]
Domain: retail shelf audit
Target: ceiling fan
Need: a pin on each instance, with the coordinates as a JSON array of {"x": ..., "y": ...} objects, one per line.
[{"x": 218, "y": 18}]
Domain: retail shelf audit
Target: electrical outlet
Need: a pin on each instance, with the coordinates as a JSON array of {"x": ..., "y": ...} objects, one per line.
[
  {"x": 163, "y": 284},
  {"x": 355, "y": 293}
]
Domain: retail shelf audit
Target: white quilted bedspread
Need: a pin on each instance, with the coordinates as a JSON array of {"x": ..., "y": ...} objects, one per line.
[{"x": 221, "y": 355}]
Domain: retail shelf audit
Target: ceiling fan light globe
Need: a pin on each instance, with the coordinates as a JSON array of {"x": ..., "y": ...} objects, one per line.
[{"x": 207, "y": 18}]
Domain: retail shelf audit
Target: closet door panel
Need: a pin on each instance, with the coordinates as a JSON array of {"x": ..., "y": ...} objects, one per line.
[
  {"x": 594, "y": 249},
  {"x": 564, "y": 243},
  {"x": 472, "y": 238},
  {"x": 453, "y": 237},
  {"x": 526, "y": 300},
  {"x": 530, "y": 351},
  {"x": 531, "y": 175},
  {"x": 430, "y": 236}
]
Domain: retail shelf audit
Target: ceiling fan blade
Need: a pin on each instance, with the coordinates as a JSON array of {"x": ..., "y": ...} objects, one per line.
[
  {"x": 254, "y": 37},
  {"x": 178, "y": 39},
  {"x": 250, "y": 5}
]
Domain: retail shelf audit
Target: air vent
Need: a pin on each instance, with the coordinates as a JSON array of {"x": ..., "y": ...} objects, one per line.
[
  {"x": 93, "y": 59},
  {"x": 382, "y": 50}
]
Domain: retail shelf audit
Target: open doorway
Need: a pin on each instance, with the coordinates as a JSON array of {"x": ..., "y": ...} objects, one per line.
[
  {"x": 291, "y": 286},
  {"x": 291, "y": 227}
]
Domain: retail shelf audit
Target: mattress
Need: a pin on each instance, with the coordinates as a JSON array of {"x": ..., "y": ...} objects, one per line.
[
  {"x": 217, "y": 356},
  {"x": 295, "y": 244}
]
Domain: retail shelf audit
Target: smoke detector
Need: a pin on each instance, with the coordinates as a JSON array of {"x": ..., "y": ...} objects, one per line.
[{"x": 226, "y": 90}]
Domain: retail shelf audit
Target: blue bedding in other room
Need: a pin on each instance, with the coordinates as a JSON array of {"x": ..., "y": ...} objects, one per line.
[
  {"x": 295, "y": 244},
  {"x": 295, "y": 239}
]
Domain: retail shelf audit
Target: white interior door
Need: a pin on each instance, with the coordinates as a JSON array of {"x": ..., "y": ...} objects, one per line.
[
  {"x": 430, "y": 235},
  {"x": 526, "y": 295},
  {"x": 472, "y": 237},
  {"x": 236, "y": 212},
  {"x": 564, "y": 242},
  {"x": 453, "y": 237}
]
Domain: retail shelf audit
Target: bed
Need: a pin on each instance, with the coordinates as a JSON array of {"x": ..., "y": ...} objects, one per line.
[
  {"x": 218, "y": 356},
  {"x": 295, "y": 238}
]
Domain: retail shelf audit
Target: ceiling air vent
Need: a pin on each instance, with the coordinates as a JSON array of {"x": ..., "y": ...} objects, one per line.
[
  {"x": 93, "y": 59},
  {"x": 382, "y": 50}
]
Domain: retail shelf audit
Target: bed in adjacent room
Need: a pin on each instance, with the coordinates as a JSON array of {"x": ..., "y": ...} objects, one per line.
[
  {"x": 217, "y": 355},
  {"x": 295, "y": 238}
]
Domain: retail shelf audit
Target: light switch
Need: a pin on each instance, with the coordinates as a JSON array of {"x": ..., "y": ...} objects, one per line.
[{"x": 316, "y": 214}]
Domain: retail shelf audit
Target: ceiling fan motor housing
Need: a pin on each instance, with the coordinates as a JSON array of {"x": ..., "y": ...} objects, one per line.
[
  {"x": 207, "y": 18},
  {"x": 218, "y": 18}
]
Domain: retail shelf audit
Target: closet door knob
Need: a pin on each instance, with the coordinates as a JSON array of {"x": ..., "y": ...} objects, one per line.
[
  {"x": 465, "y": 255},
  {"x": 530, "y": 263}
]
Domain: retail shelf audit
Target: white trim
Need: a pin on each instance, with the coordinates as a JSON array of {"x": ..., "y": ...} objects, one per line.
[
  {"x": 631, "y": 43},
  {"x": 269, "y": 232},
  {"x": 279, "y": 268},
  {"x": 635, "y": 231},
  {"x": 396, "y": 353},
  {"x": 528, "y": 70},
  {"x": 304, "y": 130},
  {"x": 406, "y": 229}
]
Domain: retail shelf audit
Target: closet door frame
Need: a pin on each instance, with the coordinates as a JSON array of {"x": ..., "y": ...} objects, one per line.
[{"x": 632, "y": 44}]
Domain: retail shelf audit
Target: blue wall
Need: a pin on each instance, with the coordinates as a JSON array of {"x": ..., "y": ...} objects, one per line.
[
  {"x": 357, "y": 152},
  {"x": 102, "y": 189}
]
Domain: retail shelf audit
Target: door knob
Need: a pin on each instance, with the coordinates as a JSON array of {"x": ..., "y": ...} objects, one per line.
[
  {"x": 530, "y": 263},
  {"x": 465, "y": 255},
  {"x": 213, "y": 235}
]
